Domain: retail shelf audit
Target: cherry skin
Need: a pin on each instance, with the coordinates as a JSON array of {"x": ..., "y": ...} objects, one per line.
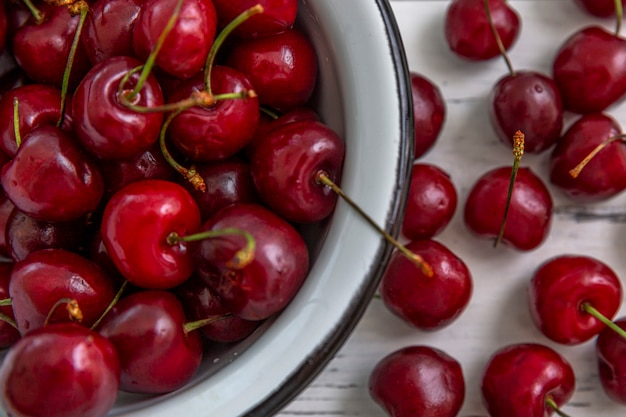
[
  {"x": 68, "y": 276},
  {"x": 294, "y": 154},
  {"x": 429, "y": 113},
  {"x": 135, "y": 227},
  {"x": 103, "y": 124},
  {"x": 604, "y": 176},
  {"x": 520, "y": 379},
  {"x": 157, "y": 355},
  {"x": 61, "y": 370},
  {"x": 588, "y": 70},
  {"x": 268, "y": 283},
  {"x": 277, "y": 16},
  {"x": 186, "y": 47},
  {"x": 430, "y": 204},
  {"x": 427, "y": 302},
  {"x": 281, "y": 67},
  {"x": 530, "y": 213},
  {"x": 599, "y": 8},
  {"x": 467, "y": 29},
  {"x": 559, "y": 290},
  {"x": 6, "y": 208},
  {"x": 8, "y": 334},
  {"x": 51, "y": 178},
  {"x": 611, "y": 351},
  {"x": 418, "y": 381},
  {"x": 531, "y": 102}
]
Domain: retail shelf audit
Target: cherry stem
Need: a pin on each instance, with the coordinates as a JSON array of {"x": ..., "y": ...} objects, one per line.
[
  {"x": 518, "y": 152},
  {"x": 6, "y": 302},
  {"x": 575, "y": 172},
  {"x": 221, "y": 37},
  {"x": 150, "y": 62},
  {"x": 322, "y": 178},
  {"x": 79, "y": 8},
  {"x": 619, "y": 14},
  {"x": 16, "y": 122},
  {"x": 553, "y": 405},
  {"x": 241, "y": 259},
  {"x": 72, "y": 308},
  {"x": 270, "y": 112},
  {"x": 114, "y": 301},
  {"x": 8, "y": 320},
  {"x": 195, "y": 325},
  {"x": 496, "y": 35},
  {"x": 37, "y": 15},
  {"x": 588, "y": 308}
]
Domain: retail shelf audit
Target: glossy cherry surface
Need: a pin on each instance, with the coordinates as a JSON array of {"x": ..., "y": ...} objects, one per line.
[
  {"x": 429, "y": 112},
  {"x": 599, "y": 8},
  {"x": 277, "y": 16},
  {"x": 610, "y": 350}
]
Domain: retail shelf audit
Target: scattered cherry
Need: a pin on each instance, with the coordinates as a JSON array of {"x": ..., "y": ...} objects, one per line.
[
  {"x": 429, "y": 112},
  {"x": 611, "y": 351}
]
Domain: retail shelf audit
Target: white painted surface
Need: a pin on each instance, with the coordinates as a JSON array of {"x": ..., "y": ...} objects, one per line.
[{"x": 497, "y": 314}]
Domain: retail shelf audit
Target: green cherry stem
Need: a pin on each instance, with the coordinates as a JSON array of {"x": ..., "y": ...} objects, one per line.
[
  {"x": 619, "y": 14},
  {"x": 9, "y": 320},
  {"x": 16, "y": 122},
  {"x": 588, "y": 308},
  {"x": 518, "y": 152},
  {"x": 114, "y": 301},
  {"x": 72, "y": 308},
  {"x": 195, "y": 325},
  {"x": 37, "y": 15},
  {"x": 322, "y": 178},
  {"x": 6, "y": 302},
  {"x": 498, "y": 39},
  {"x": 273, "y": 114},
  {"x": 554, "y": 406},
  {"x": 575, "y": 172}
]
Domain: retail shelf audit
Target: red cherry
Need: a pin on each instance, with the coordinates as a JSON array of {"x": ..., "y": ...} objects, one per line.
[
  {"x": 6, "y": 208},
  {"x": 427, "y": 302},
  {"x": 561, "y": 288},
  {"x": 8, "y": 334},
  {"x": 468, "y": 32},
  {"x": 611, "y": 352},
  {"x": 429, "y": 112},
  {"x": 61, "y": 370},
  {"x": 157, "y": 354},
  {"x": 136, "y": 224},
  {"x": 277, "y": 16},
  {"x": 599, "y": 8},
  {"x": 588, "y": 69},
  {"x": 430, "y": 204},
  {"x": 521, "y": 380},
  {"x": 418, "y": 381}
]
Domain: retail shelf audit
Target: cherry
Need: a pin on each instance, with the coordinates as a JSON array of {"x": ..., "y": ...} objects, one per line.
[
  {"x": 104, "y": 125},
  {"x": 61, "y": 370},
  {"x": 272, "y": 277},
  {"x": 430, "y": 204},
  {"x": 588, "y": 70},
  {"x": 468, "y": 32},
  {"x": 603, "y": 177},
  {"x": 530, "y": 215},
  {"x": 429, "y": 112},
  {"x": 285, "y": 167},
  {"x": 564, "y": 288},
  {"x": 187, "y": 45},
  {"x": 611, "y": 351},
  {"x": 418, "y": 381},
  {"x": 157, "y": 354},
  {"x": 136, "y": 225},
  {"x": 8, "y": 330},
  {"x": 6, "y": 208},
  {"x": 67, "y": 276},
  {"x": 526, "y": 380},
  {"x": 427, "y": 302},
  {"x": 599, "y": 8},
  {"x": 281, "y": 67},
  {"x": 277, "y": 16},
  {"x": 51, "y": 178}
]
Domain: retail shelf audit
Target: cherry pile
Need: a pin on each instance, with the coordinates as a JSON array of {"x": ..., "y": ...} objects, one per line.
[
  {"x": 571, "y": 298},
  {"x": 158, "y": 159}
]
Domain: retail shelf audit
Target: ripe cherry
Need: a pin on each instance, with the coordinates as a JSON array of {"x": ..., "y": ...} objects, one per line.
[
  {"x": 599, "y": 8},
  {"x": 418, "y": 381},
  {"x": 611, "y": 351},
  {"x": 429, "y": 113},
  {"x": 277, "y": 16}
]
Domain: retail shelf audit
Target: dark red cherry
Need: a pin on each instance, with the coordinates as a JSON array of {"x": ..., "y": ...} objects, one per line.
[
  {"x": 427, "y": 302},
  {"x": 218, "y": 131},
  {"x": 108, "y": 29},
  {"x": 6, "y": 208},
  {"x": 157, "y": 354},
  {"x": 61, "y": 370},
  {"x": 51, "y": 178},
  {"x": 68, "y": 276},
  {"x": 8, "y": 334},
  {"x": 285, "y": 167},
  {"x": 418, "y": 381},
  {"x": 430, "y": 204},
  {"x": 560, "y": 290},
  {"x": 611, "y": 354},
  {"x": 187, "y": 45},
  {"x": 281, "y": 67},
  {"x": 467, "y": 29},
  {"x": 277, "y": 16},
  {"x": 104, "y": 125},
  {"x": 136, "y": 224},
  {"x": 604, "y": 176},
  {"x": 269, "y": 282},
  {"x": 520, "y": 380},
  {"x": 530, "y": 213},
  {"x": 588, "y": 70},
  {"x": 599, "y": 8},
  {"x": 3, "y": 26},
  {"x": 429, "y": 113},
  {"x": 528, "y": 101}
]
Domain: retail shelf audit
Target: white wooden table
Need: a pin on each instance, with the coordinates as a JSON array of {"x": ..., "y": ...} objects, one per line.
[{"x": 497, "y": 314}]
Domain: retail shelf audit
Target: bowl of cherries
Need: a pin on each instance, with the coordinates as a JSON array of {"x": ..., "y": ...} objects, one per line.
[{"x": 197, "y": 201}]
